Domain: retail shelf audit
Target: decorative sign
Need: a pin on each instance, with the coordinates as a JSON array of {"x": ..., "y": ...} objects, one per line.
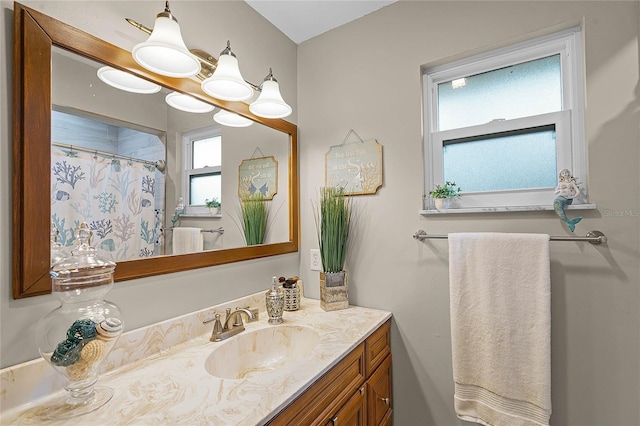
[
  {"x": 258, "y": 175},
  {"x": 357, "y": 167}
]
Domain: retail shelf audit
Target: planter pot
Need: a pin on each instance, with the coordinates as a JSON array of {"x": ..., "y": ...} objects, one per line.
[
  {"x": 333, "y": 291},
  {"x": 442, "y": 203},
  {"x": 214, "y": 210}
]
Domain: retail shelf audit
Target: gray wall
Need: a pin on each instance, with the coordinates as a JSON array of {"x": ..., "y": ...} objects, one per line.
[
  {"x": 366, "y": 76},
  {"x": 206, "y": 26}
]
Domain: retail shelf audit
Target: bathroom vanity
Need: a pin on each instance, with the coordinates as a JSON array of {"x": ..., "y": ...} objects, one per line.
[
  {"x": 336, "y": 369},
  {"x": 356, "y": 391}
]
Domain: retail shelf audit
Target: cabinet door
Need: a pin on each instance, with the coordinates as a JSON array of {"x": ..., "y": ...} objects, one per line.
[
  {"x": 379, "y": 395},
  {"x": 353, "y": 413}
]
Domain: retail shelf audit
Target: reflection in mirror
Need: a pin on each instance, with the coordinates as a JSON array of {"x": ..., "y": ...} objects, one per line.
[
  {"x": 106, "y": 143},
  {"x": 98, "y": 177},
  {"x": 35, "y": 37},
  {"x": 237, "y": 145}
]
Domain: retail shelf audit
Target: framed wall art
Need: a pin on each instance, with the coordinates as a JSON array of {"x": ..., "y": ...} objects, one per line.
[{"x": 355, "y": 166}]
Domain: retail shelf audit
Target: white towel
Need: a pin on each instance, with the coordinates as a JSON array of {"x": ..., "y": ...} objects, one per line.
[
  {"x": 501, "y": 327},
  {"x": 187, "y": 240}
]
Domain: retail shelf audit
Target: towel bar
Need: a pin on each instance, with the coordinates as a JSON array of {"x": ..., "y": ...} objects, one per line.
[
  {"x": 217, "y": 230},
  {"x": 593, "y": 237}
]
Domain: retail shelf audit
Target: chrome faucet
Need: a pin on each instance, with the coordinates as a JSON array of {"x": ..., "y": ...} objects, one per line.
[{"x": 232, "y": 323}]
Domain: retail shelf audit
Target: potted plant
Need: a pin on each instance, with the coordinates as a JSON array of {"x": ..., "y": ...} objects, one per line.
[
  {"x": 255, "y": 212},
  {"x": 333, "y": 221},
  {"x": 214, "y": 205},
  {"x": 442, "y": 194}
]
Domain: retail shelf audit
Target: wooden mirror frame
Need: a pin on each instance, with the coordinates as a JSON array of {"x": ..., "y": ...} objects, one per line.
[{"x": 34, "y": 35}]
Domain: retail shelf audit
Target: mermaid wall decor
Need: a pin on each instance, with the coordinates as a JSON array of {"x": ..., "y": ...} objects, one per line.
[{"x": 567, "y": 190}]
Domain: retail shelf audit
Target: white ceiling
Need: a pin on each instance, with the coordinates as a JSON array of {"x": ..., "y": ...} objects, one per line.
[{"x": 301, "y": 20}]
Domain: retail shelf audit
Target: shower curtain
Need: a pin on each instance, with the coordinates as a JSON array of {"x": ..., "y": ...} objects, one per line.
[{"x": 115, "y": 198}]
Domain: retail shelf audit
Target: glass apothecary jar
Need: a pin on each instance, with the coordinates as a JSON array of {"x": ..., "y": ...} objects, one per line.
[{"x": 77, "y": 336}]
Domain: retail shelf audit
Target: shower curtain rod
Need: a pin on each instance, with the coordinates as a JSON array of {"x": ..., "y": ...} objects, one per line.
[
  {"x": 593, "y": 237},
  {"x": 160, "y": 164}
]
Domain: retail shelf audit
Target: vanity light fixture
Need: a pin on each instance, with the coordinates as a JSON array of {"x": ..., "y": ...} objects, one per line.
[
  {"x": 187, "y": 103},
  {"x": 124, "y": 81},
  {"x": 221, "y": 78},
  {"x": 270, "y": 103},
  {"x": 164, "y": 52},
  {"x": 231, "y": 119},
  {"x": 227, "y": 83}
]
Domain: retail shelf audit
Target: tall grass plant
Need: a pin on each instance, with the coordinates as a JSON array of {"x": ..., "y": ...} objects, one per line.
[
  {"x": 333, "y": 219},
  {"x": 255, "y": 213}
]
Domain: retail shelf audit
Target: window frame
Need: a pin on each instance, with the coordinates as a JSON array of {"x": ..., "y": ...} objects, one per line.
[
  {"x": 568, "y": 122},
  {"x": 188, "y": 171}
]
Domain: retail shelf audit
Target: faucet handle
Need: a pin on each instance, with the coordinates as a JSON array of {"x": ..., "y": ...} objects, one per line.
[
  {"x": 208, "y": 320},
  {"x": 238, "y": 319},
  {"x": 216, "y": 334},
  {"x": 217, "y": 326}
]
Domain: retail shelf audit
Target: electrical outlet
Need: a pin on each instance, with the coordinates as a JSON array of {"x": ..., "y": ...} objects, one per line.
[{"x": 315, "y": 261}]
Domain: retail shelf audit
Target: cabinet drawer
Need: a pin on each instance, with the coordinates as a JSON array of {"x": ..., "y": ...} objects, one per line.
[
  {"x": 330, "y": 392},
  {"x": 377, "y": 347}
]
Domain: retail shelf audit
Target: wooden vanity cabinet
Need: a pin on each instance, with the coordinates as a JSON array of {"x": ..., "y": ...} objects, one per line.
[{"x": 355, "y": 392}]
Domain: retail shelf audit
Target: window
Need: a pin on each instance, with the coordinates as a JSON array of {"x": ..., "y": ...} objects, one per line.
[
  {"x": 503, "y": 124},
  {"x": 202, "y": 179}
]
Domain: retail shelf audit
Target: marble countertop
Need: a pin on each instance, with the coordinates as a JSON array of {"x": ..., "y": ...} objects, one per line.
[{"x": 173, "y": 387}]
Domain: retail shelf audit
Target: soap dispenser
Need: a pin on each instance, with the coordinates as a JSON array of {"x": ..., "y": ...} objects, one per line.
[{"x": 275, "y": 302}]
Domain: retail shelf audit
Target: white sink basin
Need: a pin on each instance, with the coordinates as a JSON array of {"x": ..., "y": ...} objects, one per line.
[{"x": 252, "y": 353}]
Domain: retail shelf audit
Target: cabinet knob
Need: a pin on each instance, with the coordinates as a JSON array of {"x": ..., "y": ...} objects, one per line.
[
  {"x": 335, "y": 421},
  {"x": 385, "y": 400}
]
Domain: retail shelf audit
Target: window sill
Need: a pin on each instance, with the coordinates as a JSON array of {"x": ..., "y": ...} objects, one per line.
[{"x": 505, "y": 209}]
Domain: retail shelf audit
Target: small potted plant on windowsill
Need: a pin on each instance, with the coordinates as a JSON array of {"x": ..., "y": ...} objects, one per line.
[
  {"x": 442, "y": 194},
  {"x": 214, "y": 205}
]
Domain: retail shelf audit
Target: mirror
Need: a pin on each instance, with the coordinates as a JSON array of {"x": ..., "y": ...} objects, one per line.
[
  {"x": 114, "y": 136},
  {"x": 35, "y": 37}
]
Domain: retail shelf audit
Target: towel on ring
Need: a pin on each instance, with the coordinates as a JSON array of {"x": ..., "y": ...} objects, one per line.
[
  {"x": 187, "y": 240},
  {"x": 501, "y": 327}
]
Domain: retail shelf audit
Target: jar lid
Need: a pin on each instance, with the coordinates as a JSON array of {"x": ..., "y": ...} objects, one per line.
[{"x": 84, "y": 259}]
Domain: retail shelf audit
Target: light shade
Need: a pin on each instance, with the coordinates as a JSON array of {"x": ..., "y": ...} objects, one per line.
[
  {"x": 125, "y": 81},
  {"x": 164, "y": 52},
  {"x": 227, "y": 83},
  {"x": 230, "y": 119},
  {"x": 188, "y": 103},
  {"x": 458, "y": 83},
  {"x": 270, "y": 103}
]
